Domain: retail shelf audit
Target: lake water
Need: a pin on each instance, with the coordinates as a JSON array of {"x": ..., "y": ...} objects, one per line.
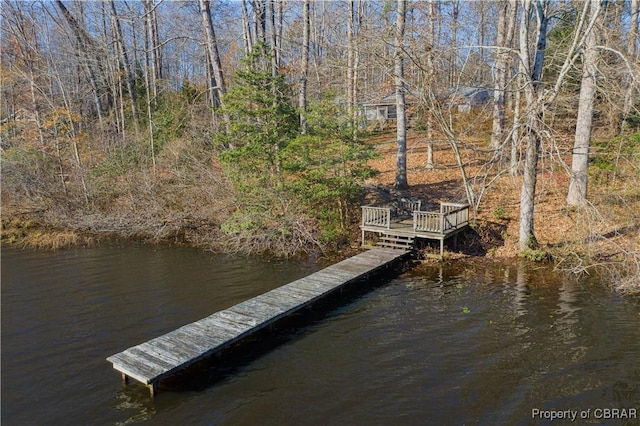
[{"x": 460, "y": 344}]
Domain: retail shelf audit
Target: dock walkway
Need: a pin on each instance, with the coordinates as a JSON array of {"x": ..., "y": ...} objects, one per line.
[{"x": 163, "y": 356}]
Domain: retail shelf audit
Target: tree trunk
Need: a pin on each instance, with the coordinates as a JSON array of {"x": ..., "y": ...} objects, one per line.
[
  {"x": 260, "y": 20},
  {"x": 305, "y": 66},
  {"x": 503, "y": 43},
  {"x": 356, "y": 64},
  {"x": 515, "y": 130},
  {"x": 527, "y": 239},
  {"x": 246, "y": 29},
  {"x": 577, "y": 195},
  {"x": 401, "y": 125},
  {"x": 350, "y": 55},
  {"x": 632, "y": 52},
  {"x": 453, "y": 70},
  {"x": 153, "y": 46},
  {"x": 152, "y": 144},
  {"x": 431, "y": 37},
  {"x": 124, "y": 59},
  {"x": 533, "y": 90},
  {"x": 73, "y": 136},
  {"x": 219, "y": 88},
  {"x": 275, "y": 65},
  {"x": 87, "y": 51}
]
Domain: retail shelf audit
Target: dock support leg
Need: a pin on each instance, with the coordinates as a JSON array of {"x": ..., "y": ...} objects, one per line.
[
  {"x": 442, "y": 249},
  {"x": 153, "y": 389},
  {"x": 125, "y": 379}
]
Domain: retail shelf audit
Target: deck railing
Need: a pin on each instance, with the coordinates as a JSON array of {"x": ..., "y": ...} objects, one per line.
[
  {"x": 449, "y": 207},
  {"x": 376, "y": 216},
  {"x": 408, "y": 205},
  {"x": 451, "y": 216},
  {"x": 455, "y": 215},
  {"x": 427, "y": 221}
]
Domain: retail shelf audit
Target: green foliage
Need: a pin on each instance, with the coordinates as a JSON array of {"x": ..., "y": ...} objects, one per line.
[
  {"x": 535, "y": 255},
  {"x": 169, "y": 119},
  {"x": 632, "y": 121},
  {"x": 273, "y": 166},
  {"x": 261, "y": 123},
  {"x": 499, "y": 213},
  {"x": 611, "y": 153},
  {"x": 326, "y": 167},
  {"x": 603, "y": 163},
  {"x": 532, "y": 251}
]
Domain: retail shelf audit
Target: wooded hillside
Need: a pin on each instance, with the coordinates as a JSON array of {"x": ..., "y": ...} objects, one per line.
[{"x": 252, "y": 125}]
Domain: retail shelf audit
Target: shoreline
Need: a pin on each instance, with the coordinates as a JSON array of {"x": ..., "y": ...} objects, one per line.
[{"x": 32, "y": 234}]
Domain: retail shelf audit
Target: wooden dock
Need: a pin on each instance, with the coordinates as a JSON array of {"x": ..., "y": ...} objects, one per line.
[
  {"x": 164, "y": 356},
  {"x": 399, "y": 223}
]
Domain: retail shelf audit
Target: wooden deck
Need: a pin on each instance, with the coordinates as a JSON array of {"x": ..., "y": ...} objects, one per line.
[
  {"x": 163, "y": 356},
  {"x": 406, "y": 221}
]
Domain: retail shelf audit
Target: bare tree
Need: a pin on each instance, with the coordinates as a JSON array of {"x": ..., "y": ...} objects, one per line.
[
  {"x": 453, "y": 67},
  {"x": 246, "y": 29},
  {"x": 351, "y": 47},
  {"x": 401, "y": 125},
  {"x": 533, "y": 96},
  {"x": 260, "y": 20},
  {"x": 431, "y": 71},
  {"x": 537, "y": 99},
  {"x": 218, "y": 85},
  {"x": 153, "y": 47},
  {"x": 506, "y": 25},
  {"x": 305, "y": 66},
  {"x": 632, "y": 52},
  {"x": 275, "y": 52},
  {"x": 124, "y": 61},
  {"x": 91, "y": 61},
  {"x": 577, "y": 195}
]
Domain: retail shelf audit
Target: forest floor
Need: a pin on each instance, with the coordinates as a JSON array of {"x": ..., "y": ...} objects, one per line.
[{"x": 606, "y": 234}]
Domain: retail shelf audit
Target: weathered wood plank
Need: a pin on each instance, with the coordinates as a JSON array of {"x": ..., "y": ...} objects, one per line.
[
  {"x": 157, "y": 349},
  {"x": 210, "y": 329},
  {"x": 294, "y": 292},
  {"x": 277, "y": 302},
  {"x": 135, "y": 368},
  {"x": 258, "y": 308},
  {"x": 315, "y": 285},
  {"x": 234, "y": 327},
  {"x": 196, "y": 337},
  {"x": 151, "y": 361},
  {"x": 239, "y": 318},
  {"x": 188, "y": 343}
]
